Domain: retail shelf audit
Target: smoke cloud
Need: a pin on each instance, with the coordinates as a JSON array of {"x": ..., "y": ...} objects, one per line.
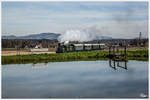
[{"x": 81, "y": 35}]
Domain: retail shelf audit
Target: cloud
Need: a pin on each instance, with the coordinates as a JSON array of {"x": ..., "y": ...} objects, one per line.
[{"x": 116, "y": 17}]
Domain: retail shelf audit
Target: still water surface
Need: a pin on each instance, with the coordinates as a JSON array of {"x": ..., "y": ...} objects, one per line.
[{"x": 81, "y": 79}]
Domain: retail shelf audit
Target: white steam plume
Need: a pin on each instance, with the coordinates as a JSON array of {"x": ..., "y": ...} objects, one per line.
[{"x": 80, "y": 35}]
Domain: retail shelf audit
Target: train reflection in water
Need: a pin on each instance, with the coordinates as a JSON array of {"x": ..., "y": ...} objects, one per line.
[{"x": 114, "y": 64}]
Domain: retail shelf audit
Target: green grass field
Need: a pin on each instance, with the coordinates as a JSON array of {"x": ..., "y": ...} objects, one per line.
[{"x": 137, "y": 54}]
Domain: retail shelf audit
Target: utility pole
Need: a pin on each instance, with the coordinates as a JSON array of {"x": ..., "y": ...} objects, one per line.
[{"x": 140, "y": 35}]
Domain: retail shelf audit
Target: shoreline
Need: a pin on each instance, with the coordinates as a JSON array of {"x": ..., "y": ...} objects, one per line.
[{"x": 138, "y": 54}]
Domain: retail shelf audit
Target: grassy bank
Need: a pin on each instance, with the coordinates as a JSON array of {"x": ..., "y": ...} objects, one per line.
[{"x": 138, "y": 54}]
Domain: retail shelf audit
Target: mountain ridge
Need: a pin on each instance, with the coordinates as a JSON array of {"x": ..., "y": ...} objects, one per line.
[{"x": 50, "y": 36}]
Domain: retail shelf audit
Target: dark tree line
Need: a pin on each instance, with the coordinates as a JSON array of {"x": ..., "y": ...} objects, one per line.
[
  {"x": 120, "y": 42},
  {"x": 22, "y": 43}
]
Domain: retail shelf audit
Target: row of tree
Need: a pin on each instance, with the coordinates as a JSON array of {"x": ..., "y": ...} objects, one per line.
[{"x": 22, "y": 43}]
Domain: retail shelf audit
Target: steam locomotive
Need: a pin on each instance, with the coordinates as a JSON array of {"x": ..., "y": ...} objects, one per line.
[{"x": 79, "y": 47}]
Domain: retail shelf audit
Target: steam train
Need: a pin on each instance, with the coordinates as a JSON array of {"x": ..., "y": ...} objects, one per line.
[{"x": 79, "y": 47}]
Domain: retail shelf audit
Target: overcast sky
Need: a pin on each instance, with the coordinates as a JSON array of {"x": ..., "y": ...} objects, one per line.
[{"x": 115, "y": 19}]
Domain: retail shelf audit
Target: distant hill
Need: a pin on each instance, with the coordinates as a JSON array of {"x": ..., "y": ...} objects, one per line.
[
  {"x": 9, "y": 37},
  {"x": 54, "y": 36},
  {"x": 50, "y": 36}
]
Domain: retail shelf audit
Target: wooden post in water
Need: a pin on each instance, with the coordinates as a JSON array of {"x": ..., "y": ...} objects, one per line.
[
  {"x": 125, "y": 64},
  {"x": 125, "y": 51},
  {"x": 109, "y": 62},
  {"x": 114, "y": 64}
]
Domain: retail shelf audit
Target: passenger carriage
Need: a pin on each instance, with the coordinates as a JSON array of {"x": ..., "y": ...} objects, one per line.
[{"x": 79, "y": 47}]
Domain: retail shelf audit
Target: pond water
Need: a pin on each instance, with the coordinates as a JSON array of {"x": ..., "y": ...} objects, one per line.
[{"x": 80, "y": 79}]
